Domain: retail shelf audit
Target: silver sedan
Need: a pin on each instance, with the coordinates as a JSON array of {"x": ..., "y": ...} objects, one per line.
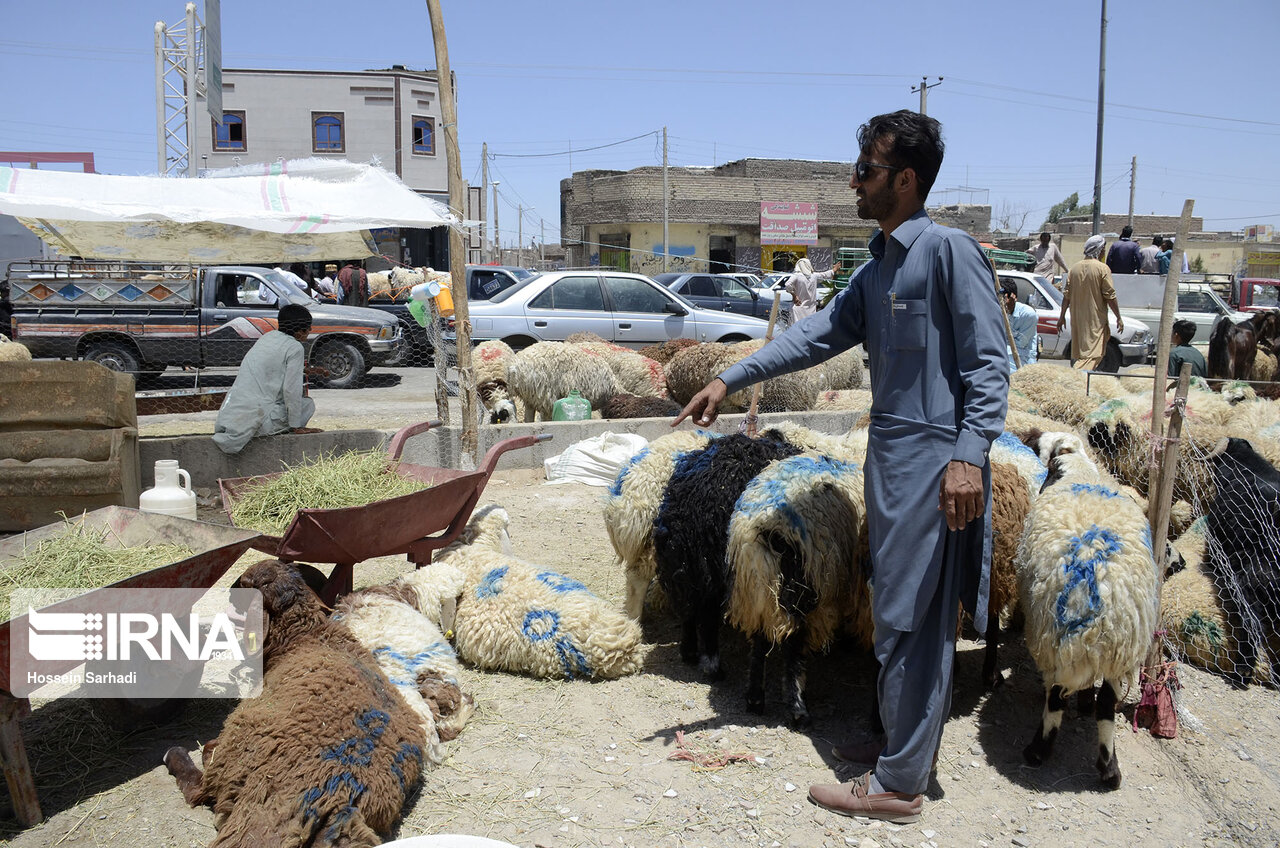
[{"x": 627, "y": 309}]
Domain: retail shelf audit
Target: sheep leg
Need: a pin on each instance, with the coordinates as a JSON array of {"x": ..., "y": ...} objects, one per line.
[
  {"x": 190, "y": 779},
  {"x": 1086, "y": 701},
  {"x": 709, "y": 630},
  {"x": 689, "y": 639},
  {"x": 755, "y": 676},
  {"x": 990, "y": 661},
  {"x": 797, "y": 663},
  {"x": 1054, "y": 704},
  {"x": 1108, "y": 765},
  {"x": 637, "y": 588}
]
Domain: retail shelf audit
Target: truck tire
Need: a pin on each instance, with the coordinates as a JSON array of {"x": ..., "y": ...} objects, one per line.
[
  {"x": 113, "y": 355},
  {"x": 344, "y": 361}
]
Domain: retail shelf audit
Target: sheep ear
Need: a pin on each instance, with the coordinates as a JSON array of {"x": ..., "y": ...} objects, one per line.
[{"x": 1032, "y": 439}]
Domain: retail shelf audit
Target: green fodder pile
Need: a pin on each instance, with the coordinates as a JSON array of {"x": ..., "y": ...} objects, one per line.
[
  {"x": 80, "y": 557},
  {"x": 354, "y": 478}
]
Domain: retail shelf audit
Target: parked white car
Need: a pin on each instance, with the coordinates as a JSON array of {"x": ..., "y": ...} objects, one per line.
[
  {"x": 627, "y": 309},
  {"x": 1132, "y": 347},
  {"x": 1143, "y": 296}
]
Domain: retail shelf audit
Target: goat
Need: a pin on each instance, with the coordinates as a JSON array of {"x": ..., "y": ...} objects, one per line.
[{"x": 1232, "y": 350}]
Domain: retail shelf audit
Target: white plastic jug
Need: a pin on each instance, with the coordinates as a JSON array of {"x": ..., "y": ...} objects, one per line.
[{"x": 167, "y": 497}]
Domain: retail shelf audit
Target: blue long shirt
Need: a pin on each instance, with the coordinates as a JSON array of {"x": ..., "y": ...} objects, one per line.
[
  {"x": 926, "y": 308},
  {"x": 1022, "y": 323}
]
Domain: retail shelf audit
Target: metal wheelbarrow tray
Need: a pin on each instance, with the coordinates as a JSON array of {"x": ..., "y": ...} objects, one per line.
[
  {"x": 403, "y": 525},
  {"x": 215, "y": 548}
]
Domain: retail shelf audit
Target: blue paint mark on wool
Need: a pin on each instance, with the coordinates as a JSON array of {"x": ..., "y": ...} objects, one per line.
[
  {"x": 354, "y": 752},
  {"x": 490, "y": 585},
  {"x": 409, "y": 665},
  {"x": 1093, "y": 489},
  {"x": 768, "y": 492},
  {"x": 616, "y": 489},
  {"x": 686, "y": 462},
  {"x": 1146, "y": 539},
  {"x": 560, "y": 584},
  {"x": 358, "y": 750},
  {"x": 1080, "y": 603},
  {"x": 407, "y": 750},
  {"x": 1012, "y": 443},
  {"x": 544, "y": 625}
]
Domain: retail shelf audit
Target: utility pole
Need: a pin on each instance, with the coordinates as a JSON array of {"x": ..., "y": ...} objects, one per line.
[
  {"x": 542, "y": 245},
  {"x": 1133, "y": 180},
  {"x": 497, "y": 238},
  {"x": 484, "y": 193},
  {"x": 666, "y": 205},
  {"x": 457, "y": 258},
  {"x": 923, "y": 88},
  {"x": 1097, "y": 160},
  {"x": 520, "y": 235}
]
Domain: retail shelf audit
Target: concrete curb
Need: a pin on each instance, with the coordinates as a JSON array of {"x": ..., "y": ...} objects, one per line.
[{"x": 440, "y": 447}]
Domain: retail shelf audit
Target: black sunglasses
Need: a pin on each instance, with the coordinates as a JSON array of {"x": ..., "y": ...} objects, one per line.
[{"x": 862, "y": 170}]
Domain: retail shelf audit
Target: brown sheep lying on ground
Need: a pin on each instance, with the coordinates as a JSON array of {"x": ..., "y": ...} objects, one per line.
[{"x": 329, "y": 752}]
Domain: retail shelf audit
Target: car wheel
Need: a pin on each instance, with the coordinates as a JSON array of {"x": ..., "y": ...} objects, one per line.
[
  {"x": 1112, "y": 359},
  {"x": 519, "y": 343},
  {"x": 114, "y": 355},
  {"x": 734, "y": 339},
  {"x": 344, "y": 362}
]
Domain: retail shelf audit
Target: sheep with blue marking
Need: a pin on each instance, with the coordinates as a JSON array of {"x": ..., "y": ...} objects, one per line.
[
  {"x": 690, "y": 537},
  {"x": 632, "y": 503},
  {"x": 799, "y": 569},
  {"x": 1089, "y": 590},
  {"x": 520, "y": 617},
  {"x": 414, "y": 654}
]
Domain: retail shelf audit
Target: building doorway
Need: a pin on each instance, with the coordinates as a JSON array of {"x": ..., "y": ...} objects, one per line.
[
  {"x": 615, "y": 251},
  {"x": 721, "y": 253},
  {"x": 781, "y": 257}
]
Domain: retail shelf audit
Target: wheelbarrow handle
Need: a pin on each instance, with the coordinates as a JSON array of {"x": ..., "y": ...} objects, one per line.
[
  {"x": 491, "y": 458},
  {"x": 404, "y": 434}
]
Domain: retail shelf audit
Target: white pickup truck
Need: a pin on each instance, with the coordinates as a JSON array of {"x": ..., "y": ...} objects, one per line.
[{"x": 1142, "y": 296}]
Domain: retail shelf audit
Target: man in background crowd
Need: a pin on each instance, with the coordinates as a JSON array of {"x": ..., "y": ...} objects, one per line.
[
  {"x": 1048, "y": 257},
  {"x": 1089, "y": 294},
  {"x": 1123, "y": 258},
  {"x": 1149, "y": 257}
]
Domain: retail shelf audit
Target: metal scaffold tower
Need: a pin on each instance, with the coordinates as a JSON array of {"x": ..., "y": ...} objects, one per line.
[{"x": 181, "y": 76}]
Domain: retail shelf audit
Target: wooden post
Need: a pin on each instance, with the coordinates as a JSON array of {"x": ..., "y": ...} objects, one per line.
[
  {"x": 457, "y": 258},
  {"x": 1160, "y": 500},
  {"x": 1164, "y": 338},
  {"x": 17, "y": 769},
  {"x": 752, "y": 416}
]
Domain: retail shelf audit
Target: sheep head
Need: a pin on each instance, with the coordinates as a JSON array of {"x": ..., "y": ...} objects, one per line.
[{"x": 289, "y": 606}]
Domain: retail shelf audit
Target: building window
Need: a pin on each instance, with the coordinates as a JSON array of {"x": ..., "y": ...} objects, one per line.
[
  {"x": 326, "y": 133},
  {"x": 424, "y": 135},
  {"x": 229, "y": 135}
]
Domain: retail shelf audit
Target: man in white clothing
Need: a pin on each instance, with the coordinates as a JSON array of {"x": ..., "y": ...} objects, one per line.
[
  {"x": 803, "y": 285},
  {"x": 267, "y": 397}
]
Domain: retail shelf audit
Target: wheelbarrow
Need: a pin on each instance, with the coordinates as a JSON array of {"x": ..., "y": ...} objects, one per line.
[
  {"x": 215, "y": 547},
  {"x": 403, "y": 525}
]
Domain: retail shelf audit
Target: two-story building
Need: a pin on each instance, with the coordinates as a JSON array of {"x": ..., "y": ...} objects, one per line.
[{"x": 391, "y": 117}]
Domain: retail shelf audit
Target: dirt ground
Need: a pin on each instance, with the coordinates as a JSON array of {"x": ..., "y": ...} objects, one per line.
[{"x": 547, "y": 763}]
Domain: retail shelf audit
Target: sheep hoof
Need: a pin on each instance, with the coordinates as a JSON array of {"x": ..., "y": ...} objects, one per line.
[
  {"x": 1034, "y": 754},
  {"x": 710, "y": 668},
  {"x": 801, "y": 720},
  {"x": 755, "y": 704},
  {"x": 1109, "y": 771}
]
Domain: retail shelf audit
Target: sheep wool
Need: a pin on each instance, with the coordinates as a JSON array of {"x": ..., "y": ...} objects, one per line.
[
  {"x": 794, "y": 392},
  {"x": 1191, "y": 612},
  {"x": 1009, "y": 449},
  {"x": 519, "y": 617},
  {"x": 631, "y": 406},
  {"x": 844, "y": 399},
  {"x": 489, "y": 360},
  {"x": 662, "y": 353},
  {"x": 544, "y": 372},
  {"x": 636, "y": 374},
  {"x": 693, "y": 367},
  {"x": 408, "y": 646},
  {"x": 1088, "y": 581},
  {"x": 843, "y": 372},
  {"x": 1055, "y": 392},
  {"x": 632, "y": 503},
  {"x": 11, "y": 351}
]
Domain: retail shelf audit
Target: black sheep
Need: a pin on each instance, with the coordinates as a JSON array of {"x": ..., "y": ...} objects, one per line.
[
  {"x": 634, "y": 406},
  {"x": 1243, "y": 543},
  {"x": 691, "y": 532}
]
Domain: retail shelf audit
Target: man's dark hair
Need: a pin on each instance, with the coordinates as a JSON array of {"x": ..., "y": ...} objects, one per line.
[
  {"x": 1167, "y": 244},
  {"x": 1044, "y": 236},
  {"x": 1008, "y": 286},
  {"x": 292, "y": 318},
  {"x": 1157, "y": 240},
  {"x": 1126, "y": 232},
  {"x": 911, "y": 141},
  {"x": 1184, "y": 329}
]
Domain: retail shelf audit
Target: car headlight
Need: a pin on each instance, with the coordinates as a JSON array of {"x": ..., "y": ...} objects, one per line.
[
  {"x": 1141, "y": 337},
  {"x": 389, "y": 332}
]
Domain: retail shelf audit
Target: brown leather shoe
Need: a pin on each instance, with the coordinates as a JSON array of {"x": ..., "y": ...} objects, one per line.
[
  {"x": 865, "y": 753},
  {"x": 854, "y": 799}
]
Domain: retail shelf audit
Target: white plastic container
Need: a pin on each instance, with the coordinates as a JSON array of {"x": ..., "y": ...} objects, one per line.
[{"x": 168, "y": 497}]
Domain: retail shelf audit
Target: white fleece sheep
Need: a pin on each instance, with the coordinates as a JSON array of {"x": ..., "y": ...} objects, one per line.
[
  {"x": 799, "y": 566},
  {"x": 1089, "y": 589},
  {"x": 544, "y": 372},
  {"x": 1191, "y": 611},
  {"x": 632, "y": 503},
  {"x": 844, "y": 399},
  {"x": 489, "y": 360},
  {"x": 1055, "y": 392},
  {"x": 11, "y": 351},
  {"x": 636, "y": 375},
  {"x": 519, "y": 617},
  {"x": 409, "y": 648}
]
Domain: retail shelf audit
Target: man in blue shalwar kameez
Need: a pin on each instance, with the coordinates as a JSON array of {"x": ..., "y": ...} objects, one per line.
[{"x": 926, "y": 307}]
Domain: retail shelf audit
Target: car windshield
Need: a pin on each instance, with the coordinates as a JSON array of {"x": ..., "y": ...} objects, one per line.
[
  {"x": 506, "y": 293},
  {"x": 1264, "y": 295},
  {"x": 666, "y": 279},
  {"x": 1049, "y": 289},
  {"x": 284, "y": 287},
  {"x": 522, "y": 273}
]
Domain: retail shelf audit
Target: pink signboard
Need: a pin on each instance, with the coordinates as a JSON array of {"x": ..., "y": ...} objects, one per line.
[{"x": 788, "y": 223}]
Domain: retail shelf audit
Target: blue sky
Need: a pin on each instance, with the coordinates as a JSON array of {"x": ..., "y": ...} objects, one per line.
[{"x": 1189, "y": 89}]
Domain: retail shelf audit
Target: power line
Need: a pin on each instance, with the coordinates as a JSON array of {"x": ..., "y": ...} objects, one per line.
[{"x": 571, "y": 151}]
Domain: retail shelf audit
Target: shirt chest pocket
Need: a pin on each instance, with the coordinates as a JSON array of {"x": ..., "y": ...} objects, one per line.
[{"x": 908, "y": 324}]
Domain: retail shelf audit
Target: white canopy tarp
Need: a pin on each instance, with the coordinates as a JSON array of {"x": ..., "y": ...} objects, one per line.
[{"x": 300, "y": 210}]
